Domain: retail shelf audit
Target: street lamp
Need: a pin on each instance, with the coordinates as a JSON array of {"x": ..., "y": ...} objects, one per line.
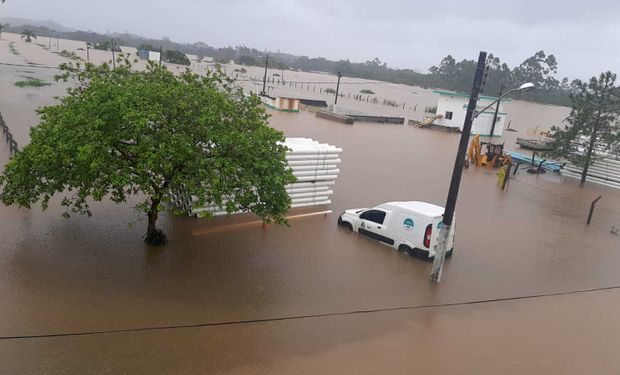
[
  {"x": 446, "y": 223},
  {"x": 523, "y": 88}
]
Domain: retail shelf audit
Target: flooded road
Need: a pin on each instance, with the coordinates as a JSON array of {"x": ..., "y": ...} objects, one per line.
[{"x": 94, "y": 274}]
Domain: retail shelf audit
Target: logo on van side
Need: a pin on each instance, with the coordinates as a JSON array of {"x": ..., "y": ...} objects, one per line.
[{"x": 408, "y": 223}]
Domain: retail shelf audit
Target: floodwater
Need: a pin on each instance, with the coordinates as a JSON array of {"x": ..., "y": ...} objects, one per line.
[{"x": 314, "y": 283}]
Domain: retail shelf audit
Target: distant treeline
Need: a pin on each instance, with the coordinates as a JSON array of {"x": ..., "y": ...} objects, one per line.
[{"x": 540, "y": 69}]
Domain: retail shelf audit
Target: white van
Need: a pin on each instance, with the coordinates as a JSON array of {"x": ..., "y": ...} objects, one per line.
[{"x": 412, "y": 227}]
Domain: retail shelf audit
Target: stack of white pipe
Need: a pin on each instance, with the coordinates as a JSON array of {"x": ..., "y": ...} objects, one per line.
[{"x": 314, "y": 164}]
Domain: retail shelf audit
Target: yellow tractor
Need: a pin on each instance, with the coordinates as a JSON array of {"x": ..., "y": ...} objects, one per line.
[{"x": 494, "y": 156}]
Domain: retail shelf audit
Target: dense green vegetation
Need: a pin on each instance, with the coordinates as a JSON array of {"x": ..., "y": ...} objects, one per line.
[
  {"x": 31, "y": 82},
  {"x": 13, "y": 49},
  {"x": 148, "y": 47},
  {"x": 592, "y": 127},
  {"x": 69, "y": 55},
  {"x": 28, "y": 35},
  {"x": 123, "y": 132},
  {"x": 106, "y": 45},
  {"x": 175, "y": 57},
  {"x": 540, "y": 69}
]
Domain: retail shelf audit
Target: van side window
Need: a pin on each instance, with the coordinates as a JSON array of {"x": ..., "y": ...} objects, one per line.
[{"x": 375, "y": 216}]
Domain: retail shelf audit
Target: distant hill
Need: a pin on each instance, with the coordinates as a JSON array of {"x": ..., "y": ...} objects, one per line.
[{"x": 16, "y": 21}]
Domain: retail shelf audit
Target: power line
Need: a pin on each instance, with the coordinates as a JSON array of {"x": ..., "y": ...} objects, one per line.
[{"x": 308, "y": 316}]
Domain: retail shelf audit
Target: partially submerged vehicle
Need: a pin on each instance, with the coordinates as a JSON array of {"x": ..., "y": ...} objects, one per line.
[{"x": 411, "y": 227}]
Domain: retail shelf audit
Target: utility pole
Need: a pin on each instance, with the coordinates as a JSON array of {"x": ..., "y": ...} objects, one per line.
[
  {"x": 444, "y": 231},
  {"x": 161, "y": 52},
  {"x": 57, "y": 48},
  {"x": 87, "y": 52},
  {"x": 50, "y": 43},
  {"x": 265, "y": 76},
  {"x": 113, "y": 60},
  {"x": 337, "y": 88},
  {"x": 501, "y": 91}
]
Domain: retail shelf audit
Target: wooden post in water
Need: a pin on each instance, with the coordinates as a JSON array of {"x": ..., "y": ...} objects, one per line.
[
  {"x": 592, "y": 209},
  {"x": 337, "y": 88}
]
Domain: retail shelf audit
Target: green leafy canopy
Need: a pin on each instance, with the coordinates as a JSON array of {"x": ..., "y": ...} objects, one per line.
[
  {"x": 121, "y": 132},
  {"x": 592, "y": 126}
]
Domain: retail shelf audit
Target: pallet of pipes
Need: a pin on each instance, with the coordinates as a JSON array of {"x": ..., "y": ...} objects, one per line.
[{"x": 314, "y": 164}]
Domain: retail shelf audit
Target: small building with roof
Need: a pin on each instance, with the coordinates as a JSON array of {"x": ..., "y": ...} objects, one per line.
[{"x": 452, "y": 106}]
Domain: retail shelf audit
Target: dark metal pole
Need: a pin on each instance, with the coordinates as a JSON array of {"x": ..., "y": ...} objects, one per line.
[
  {"x": 161, "y": 52},
  {"x": 592, "y": 209},
  {"x": 337, "y": 88},
  {"x": 113, "y": 59},
  {"x": 455, "y": 183},
  {"x": 501, "y": 91},
  {"x": 265, "y": 75},
  {"x": 87, "y": 52},
  {"x": 57, "y": 48}
]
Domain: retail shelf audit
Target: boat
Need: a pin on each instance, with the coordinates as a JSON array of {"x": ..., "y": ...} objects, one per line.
[
  {"x": 549, "y": 165},
  {"x": 534, "y": 144}
]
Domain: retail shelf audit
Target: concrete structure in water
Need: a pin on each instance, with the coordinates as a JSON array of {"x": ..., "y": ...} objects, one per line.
[
  {"x": 453, "y": 107},
  {"x": 281, "y": 103}
]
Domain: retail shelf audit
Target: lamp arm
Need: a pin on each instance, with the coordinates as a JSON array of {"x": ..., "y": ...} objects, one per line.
[{"x": 495, "y": 101}]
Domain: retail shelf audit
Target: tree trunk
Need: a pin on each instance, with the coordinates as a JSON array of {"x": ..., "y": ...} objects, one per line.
[
  {"x": 154, "y": 236},
  {"x": 584, "y": 173}
]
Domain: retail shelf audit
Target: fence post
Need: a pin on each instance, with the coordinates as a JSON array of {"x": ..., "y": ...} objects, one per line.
[
  {"x": 592, "y": 209},
  {"x": 506, "y": 177}
]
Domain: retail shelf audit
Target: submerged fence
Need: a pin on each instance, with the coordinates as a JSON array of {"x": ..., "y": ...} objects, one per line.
[
  {"x": 8, "y": 136},
  {"x": 577, "y": 209}
]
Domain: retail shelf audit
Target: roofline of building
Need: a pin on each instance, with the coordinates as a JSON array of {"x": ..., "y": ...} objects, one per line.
[
  {"x": 480, "y": 97},
  {"x": 487, "y": 112}
]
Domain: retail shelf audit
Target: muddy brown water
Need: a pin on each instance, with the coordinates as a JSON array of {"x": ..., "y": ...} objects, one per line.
[{"x": 95, "y": 274}]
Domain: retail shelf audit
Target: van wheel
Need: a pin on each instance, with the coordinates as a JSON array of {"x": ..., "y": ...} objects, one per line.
[
  {"x": 404, "y": 249},
  {"x": 449, "y": 253},
  {"x": 345, "y": 224}
]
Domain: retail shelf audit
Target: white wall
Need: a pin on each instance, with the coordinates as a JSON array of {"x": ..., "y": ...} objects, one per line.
[
  {"x": 458, "y": 106},
  {"x": 153, "y": 56}
]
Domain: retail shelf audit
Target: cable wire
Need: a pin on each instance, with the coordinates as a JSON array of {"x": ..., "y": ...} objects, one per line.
[{"x": 308, "y": 316}]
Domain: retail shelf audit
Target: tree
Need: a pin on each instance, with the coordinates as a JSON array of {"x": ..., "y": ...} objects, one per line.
[
  {"x": 592, "y": 124},
  {"x": 147, "y": 47},
  {"x": 1, "y": 27},
  {"x": 28, "y": 35},
  {"x": 246, "y": 60},
  {"x": 176, "y": 57},
  {"x": 121, "y": 132}
]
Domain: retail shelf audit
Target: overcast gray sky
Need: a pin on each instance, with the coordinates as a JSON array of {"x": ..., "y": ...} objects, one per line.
[{"x": 583, "y": 35}]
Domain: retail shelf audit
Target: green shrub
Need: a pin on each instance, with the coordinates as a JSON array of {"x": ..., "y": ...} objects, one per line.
[{"x": 32, "y": 82}]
